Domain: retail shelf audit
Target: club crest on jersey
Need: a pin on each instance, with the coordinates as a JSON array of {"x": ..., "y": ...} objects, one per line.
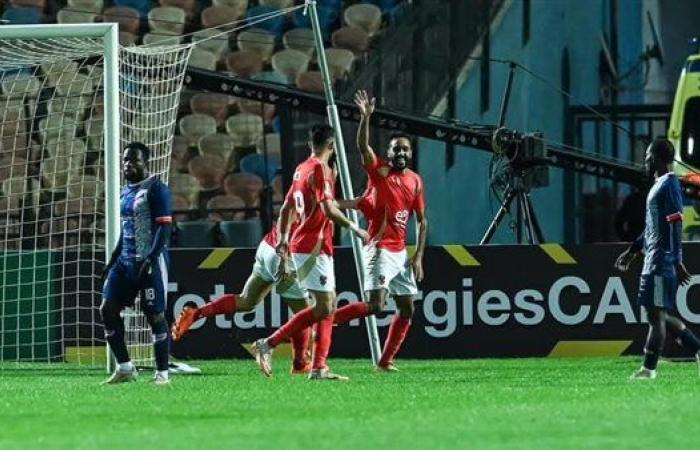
[
  {"x": 401, "y": 217},
  {"x": 323, "y": 280},
  {"x": 297, "y": 176},
  {"x": 381, "y": 279}
]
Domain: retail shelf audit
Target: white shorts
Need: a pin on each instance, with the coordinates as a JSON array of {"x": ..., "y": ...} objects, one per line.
[
  {"x": 315, "y": 272},
  {"x": 389, "y": 270},
  {"x": 266, "y": 265}
]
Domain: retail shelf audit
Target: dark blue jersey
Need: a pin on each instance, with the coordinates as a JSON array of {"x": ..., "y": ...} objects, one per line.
[
  {"x": 662, "y": 230},
  {"x": 144, "y": 206}
]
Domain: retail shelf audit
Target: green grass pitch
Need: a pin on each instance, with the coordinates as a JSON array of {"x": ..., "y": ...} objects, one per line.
[{"x": 478, "y": 404}]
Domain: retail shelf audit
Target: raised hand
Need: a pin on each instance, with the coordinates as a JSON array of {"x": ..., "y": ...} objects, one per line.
[{"x": 365, "y": 103}]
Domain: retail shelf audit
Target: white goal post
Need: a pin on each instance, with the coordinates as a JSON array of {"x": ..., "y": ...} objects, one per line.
[{"x": 70, "y": 97}]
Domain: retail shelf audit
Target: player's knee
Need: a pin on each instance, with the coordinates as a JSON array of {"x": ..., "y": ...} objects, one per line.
[
  {"x": 109, "y": 312},
  {"x": 323, "y": 309},
  {"x": 245, "y": 304},
  {"x": 158, "y": 323},
  {"x": 406, "y": 309}
]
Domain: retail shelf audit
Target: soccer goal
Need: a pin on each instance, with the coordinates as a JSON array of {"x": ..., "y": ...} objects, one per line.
[{"x": 70, "y": 97}]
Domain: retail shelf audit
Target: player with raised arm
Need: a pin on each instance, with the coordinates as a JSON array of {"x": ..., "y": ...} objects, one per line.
[
  {"x": 139, "y": 264},
  {"x": 663, "y": 268},
  {"x": 256, "y": 288},
  {"x": 311, "y": 200},
  {"x": 398, "y": 192}
]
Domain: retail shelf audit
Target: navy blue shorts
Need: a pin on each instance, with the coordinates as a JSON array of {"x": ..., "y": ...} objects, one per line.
[
  {"x": 658, "y": 290},
  {"x": 122, "y": 286}
]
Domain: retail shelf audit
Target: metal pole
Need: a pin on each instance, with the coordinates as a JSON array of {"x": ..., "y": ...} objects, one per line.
[
  {"x": 345, "y": 181},
  {"x": 112, "y": 146}
]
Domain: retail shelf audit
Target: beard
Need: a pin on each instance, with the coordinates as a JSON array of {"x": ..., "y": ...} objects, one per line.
[{"x": 400, "y": 162}]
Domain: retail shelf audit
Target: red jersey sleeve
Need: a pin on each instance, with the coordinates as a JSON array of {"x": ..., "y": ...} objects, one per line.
[
  {"x": 322, "y": 184},
  {"x": 372, "y": 167}
]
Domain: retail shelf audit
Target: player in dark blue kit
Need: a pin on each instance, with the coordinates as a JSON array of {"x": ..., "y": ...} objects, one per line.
[
  {"x": 663, "y": 268},
  {"x": 139, "y": 264}
]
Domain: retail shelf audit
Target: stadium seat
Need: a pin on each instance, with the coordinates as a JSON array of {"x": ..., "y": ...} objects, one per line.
[
  {"x": 68, "y": 107},
  {"x": 350, "y": 38},
  {"x": 167, "y": 19},
  {"x": 129, "y": 19},
  {"x": 202, "y": 59},
  {"x": 365, "y": 16},
  {"x": 22, "y": 16},
  {"x": 257, "y": 40},
  {"x": 270, "y": 76},
  {"x": 244, "y": 63},
  {"x": 273, "y": 24},
  {"x": 239, "y": 5},
  {"x": 272, "y": 144},
  {"x": 39, "y": 4},
  {"x": 214, "y": 16},
  {"x": 310, "y": 81},
  {"x": 180, "y": 203},
  {"x": 189, "y": 6},
  {"x": 180, "y": 153},
  {"x": 94, "y": 133},
  {"x": 209, "y": 170},
  {"x": 20, "y": 86},
  {"x": 55, "y": 127},
  {"x": 142, "y": 6},
  {"x": 196, "y": 234},
  {"x": 74, "y": 84},
  {"x": 184, "y": 184},
  {"x": 12, "y": 167},
  {"x": 218, "y": 144},
  {"x": 290, "y": 63},
  {"x": 301, "y": 39},
  {"x": 245, "y": 129},
  {"x": 265, "y": 110},
  {"x": 160, "y": 38},
  {"x": 95, "y": 6},
  {"x": 225, "y": 202},
  {"x": 277, "y": 4},
  {"x": 327, "y": 17},
  {"x": 72, "y": 16},
  {"x": 241, "y": 233},
  {"x": 55, "y": 70},
  {"x": 244, "y": 185},
  {"x": 255, "y": 163},
  {"x": 194, "y": 126},
  {"x": 127, "y": 39},
  {"x": 218, "y": 46},
  {"x": 339, "y": 62},
  {"x": 212, "y": 104}
]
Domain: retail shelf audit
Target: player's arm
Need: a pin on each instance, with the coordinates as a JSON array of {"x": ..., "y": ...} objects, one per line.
[
  {"x": 284, "y": 224},
  {"x": 631, "y": 253},
  {"x": 160, "y": 200},
  {"x": 337, "y": 216},
  {"x": 113, "y": 258},
  {"x": 422, "y": 224},
  {"x": 366, "y": 107},
  {"x": 674, "y": 217},
  {"x": 348, "y": 204}
]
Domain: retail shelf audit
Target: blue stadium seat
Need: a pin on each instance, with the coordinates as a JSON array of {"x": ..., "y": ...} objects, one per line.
[
  {"x": 274, "y": 25},
  {"x": 142, "y": 6},
  {"x": 255, "y": 163},
  {"x": 270, "y": 76},
  {"x": 327, "y": 17},
  {"x": 241, "y": 233},
  {"x": 22, "y": 16},
  {"x": 196, "y": 234}
]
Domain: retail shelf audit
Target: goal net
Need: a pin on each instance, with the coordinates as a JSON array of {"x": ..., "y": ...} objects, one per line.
[{"x": 63, "y": 90}]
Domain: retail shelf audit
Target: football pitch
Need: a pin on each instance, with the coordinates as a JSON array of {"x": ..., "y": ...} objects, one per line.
[{"x": 480, "y": 404}]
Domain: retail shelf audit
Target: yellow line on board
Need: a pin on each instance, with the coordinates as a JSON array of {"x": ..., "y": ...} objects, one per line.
[
  {"x": 589, "y": 348},
  {"x": 558, "y": 254},
  {"x": 461, "y": 255},
  {"x": 216, "y": 258}
]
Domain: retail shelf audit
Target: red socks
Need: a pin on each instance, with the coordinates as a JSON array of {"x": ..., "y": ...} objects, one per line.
[
  {"x": 397, "y": 333},
  {"x": 324, "y": 333},
  {"x": 303, "y": 319},
  {"x": 350, "y": 312},
  {"x": 300, "y": 342},
  {"x": 226, "y": 304}
]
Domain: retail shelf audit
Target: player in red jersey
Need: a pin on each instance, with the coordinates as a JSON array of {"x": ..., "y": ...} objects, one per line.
[
  {"x": 258, "y": 285},
  {"x": 311, "y": 200},
  {"x": 398, "y": 192}
]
